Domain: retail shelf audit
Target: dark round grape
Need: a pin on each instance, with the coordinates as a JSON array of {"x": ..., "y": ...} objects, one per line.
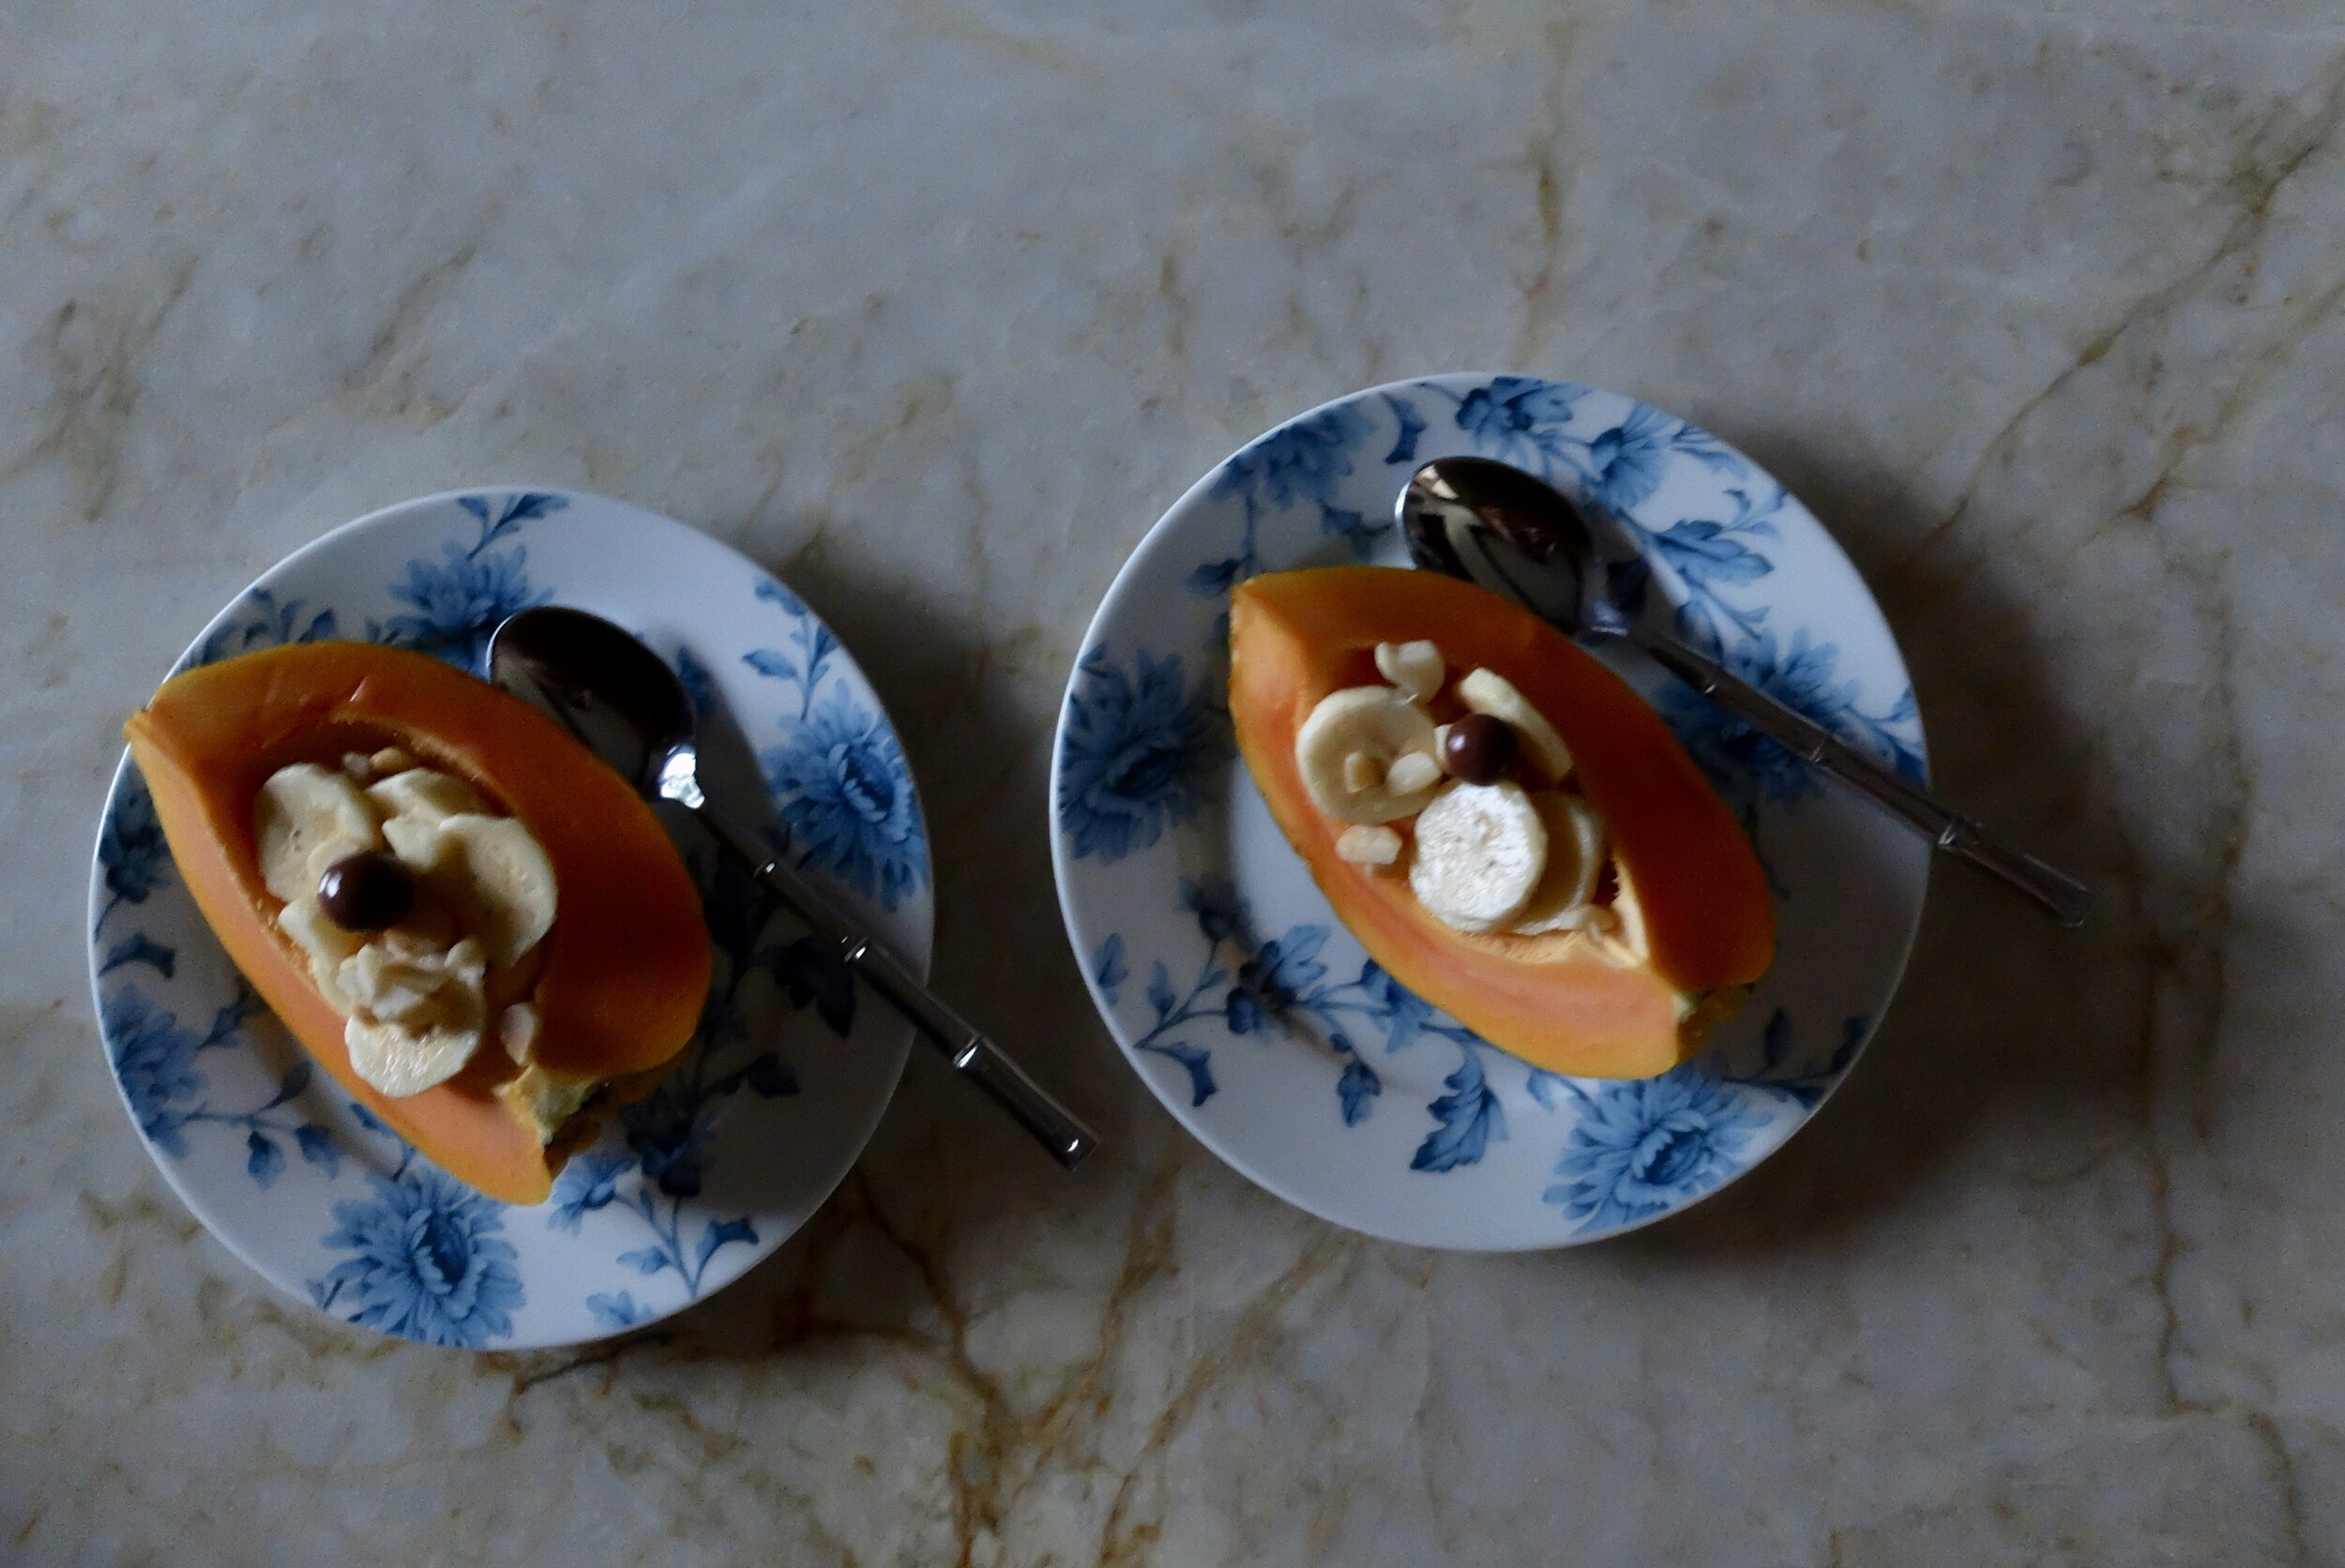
[
  {"x": 367, "y": 892},
  {"x": 1480, "y": 749}
]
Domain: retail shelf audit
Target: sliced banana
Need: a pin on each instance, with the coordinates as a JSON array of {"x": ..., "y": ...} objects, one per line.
[
  {"x": 1362, "y": 772},
  {"x": 305, "y": 819},
  {"x": 1413, "y": 774},
  {"x": 1366, "y": 844},
  {"x": 1574, "y": 858},
  {"x": 1486, "y": 691},
  {"x": 323, "y": 942},
  {"x": 1377, "y": 722},
  {"x": 417, "y": 1015},
  {"x": 413, "y": 803},
  {"x": 1417, "y": 668},
  {"x": 400, "y": 1064},
  {"x": 417, "y": 989},
  {"x": 497, "y": 881},
  {"x": 517, "y": 1031},
  {"x": 1480, "y": 850}
]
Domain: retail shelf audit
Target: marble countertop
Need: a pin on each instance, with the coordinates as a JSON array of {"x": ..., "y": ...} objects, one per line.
[{"x": 934, "y": 310}]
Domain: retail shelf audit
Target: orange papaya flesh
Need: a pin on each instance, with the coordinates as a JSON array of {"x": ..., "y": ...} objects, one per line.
[
  {"x": 1551, "y": 999},
  {"x": 623, "y": 970}
]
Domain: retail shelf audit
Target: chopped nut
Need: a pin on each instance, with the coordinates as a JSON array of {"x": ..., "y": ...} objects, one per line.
[
  {"x": 1417, "y": 668},
  {"x": 1367, "y": 844},
  {"x": 361, "y": 771},
  {"x": 1411, "y": 772},
  {"x": 388, "y": 760},
  {"x": 1361, "y": 772}
]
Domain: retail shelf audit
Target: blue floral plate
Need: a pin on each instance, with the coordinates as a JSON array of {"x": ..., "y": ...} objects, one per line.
[
  {"x": 772, "y": 1101},
  {"x": 1254, "y": 1015}
]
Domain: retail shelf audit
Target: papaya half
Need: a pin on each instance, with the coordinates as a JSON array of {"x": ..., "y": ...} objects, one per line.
[
  {"x": 1552, "y": 998},
  {"x": 625, "y": 965}
]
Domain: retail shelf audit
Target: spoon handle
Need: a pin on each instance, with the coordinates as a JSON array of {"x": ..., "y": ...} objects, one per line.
[
  {"x": 2059, "y": 895},
  {"x": 969, "y": 1050}
]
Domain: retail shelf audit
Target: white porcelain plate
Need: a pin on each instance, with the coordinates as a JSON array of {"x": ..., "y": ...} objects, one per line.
[
  {"x": 772, "y": 1101},
  {"x": 1250, "y": 1010}
]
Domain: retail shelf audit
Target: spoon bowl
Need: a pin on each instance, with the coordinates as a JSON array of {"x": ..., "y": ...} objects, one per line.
[
  {"x": 625, "y": 705},
  {"x": 1493, "y": 524},
  {"x": 1509, "y": 530}
]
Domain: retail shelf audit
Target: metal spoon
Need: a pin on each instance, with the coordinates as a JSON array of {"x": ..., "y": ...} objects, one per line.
[
  {"x": 1492, "y": 523},
  {"x": 623, "y": 702}
]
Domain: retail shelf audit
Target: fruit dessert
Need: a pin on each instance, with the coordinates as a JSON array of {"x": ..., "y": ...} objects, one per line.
[
  {"x": 479, "y": 928},
  {"x": 1503, "y": 824}
]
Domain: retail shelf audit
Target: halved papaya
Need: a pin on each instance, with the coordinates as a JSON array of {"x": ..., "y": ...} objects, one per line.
[
  {"x": 1551, "y": 999},
  {"x": 625, "y": 967}
]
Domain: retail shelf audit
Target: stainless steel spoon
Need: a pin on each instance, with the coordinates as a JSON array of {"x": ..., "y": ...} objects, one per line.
[
  {"x": 623, "y": 702},
  {"x": 1492, "y": 523}
]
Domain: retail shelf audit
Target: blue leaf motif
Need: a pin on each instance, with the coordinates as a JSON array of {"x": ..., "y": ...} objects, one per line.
[
  {"x": 263, "y": 1159},
  {"x": 296, "y": 1078},
  {"x": 770, "y": 1078},
  {"x": 1197, "y": 1062},
  {"x": 317, "y": 1147},
  {"x": 1352, "y": 529},
  {"x": 718, "y": 1234},
  {"x": 700, "y": 682},
  {"x": 645, "y": 1260},
  {"x": 1108, "y": 970},
  {"x": 1160, "y": 995},
  {"x": 588, "y": 1182},
  {"x": 263, "y": 621},
  {"x": 769, "y": 661},
  {"x": 1706, "y": 555},
  {"x": 1545, "y": 1088},
  {"x": 137, "y": 948},
  {"x": 1355, "y": 1088},
  {"x": 615, "y": 1311},
  {"x": 1470, "y": 1117},
  {"x": 1216, "y": 578},
  {"x": 773, "y": 592},
  {"x": 1412, "y": 425},
  {"x": 1303, "y": 459},
  {"x": 131, "y": 848}
]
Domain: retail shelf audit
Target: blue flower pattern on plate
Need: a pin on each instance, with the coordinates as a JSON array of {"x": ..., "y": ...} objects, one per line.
[
  {"x": 459, "y": 599},
  {"x": 424, "y": 1256},
  {"x": 1648, "y": 1145},
  {"x": 1630, "y": 1150},
  {"x": 1137, "y": 746},
  {"x": 1280, "y": 984},
  {"x": 425, "y": 1259},
  {"x": 849, "y": 807}
]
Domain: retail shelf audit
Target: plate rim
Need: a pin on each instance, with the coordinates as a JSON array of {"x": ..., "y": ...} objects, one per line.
[
  {"x": 921, "y": 960},
  {"x": 1061, "y": 864}
]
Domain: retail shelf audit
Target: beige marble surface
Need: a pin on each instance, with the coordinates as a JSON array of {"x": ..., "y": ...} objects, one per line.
[{"x": 934, "y": 307}]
